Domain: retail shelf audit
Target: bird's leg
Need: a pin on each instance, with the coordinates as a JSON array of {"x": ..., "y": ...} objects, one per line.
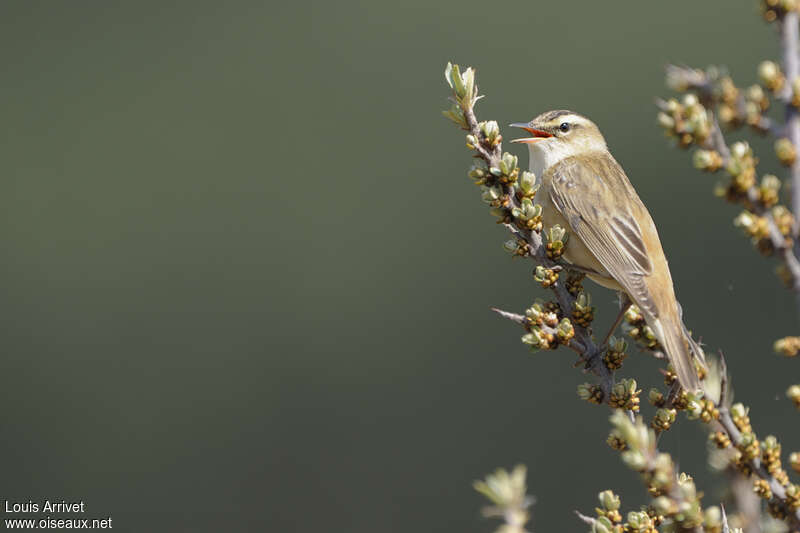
[{"x": 624, "y": 304}]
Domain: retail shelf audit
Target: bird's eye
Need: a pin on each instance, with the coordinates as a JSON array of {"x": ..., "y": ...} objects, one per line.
[{"x": 564, "y": 127}]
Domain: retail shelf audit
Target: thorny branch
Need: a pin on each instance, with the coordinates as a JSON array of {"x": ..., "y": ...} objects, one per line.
[
  {"x": 492, "y": 153},
  {"x": 488, "y": 148}
]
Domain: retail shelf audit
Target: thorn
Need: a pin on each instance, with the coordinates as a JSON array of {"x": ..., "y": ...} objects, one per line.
[
  {"x": 587, "y": 519},
  {"x": 514, "y": 317},
  {"x": 725, "y": 527}
]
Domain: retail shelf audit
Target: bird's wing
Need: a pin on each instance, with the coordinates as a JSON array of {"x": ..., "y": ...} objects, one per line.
[{"x": 596, "y": 198}]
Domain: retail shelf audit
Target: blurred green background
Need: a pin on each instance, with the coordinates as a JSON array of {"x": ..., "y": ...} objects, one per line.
[{"x": 247, "y": 281}]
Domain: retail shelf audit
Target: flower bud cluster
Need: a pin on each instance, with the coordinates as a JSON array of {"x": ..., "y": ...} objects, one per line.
[
  {"x": 784, "y": 220},
  {"x": 507, "y": 491},
  {"x": 609, "y": 507},
  {"x": 591, "y": 393},
  {"x": 625, "y": 395},
  {"x": 663, "y": 419},
  {"x": 761, "y": 487},
  {"x": 785, "y": 151},
  {"x": 528, "y": 215},
  {"x": 575, "y": 282},
  {"x": 556, "y": 241},
  {"x": 546, "y": 277},
  {"x": 771, "y": 456},
  {"x": 757, "y": 228},
  {"x": 656, "y": 398},
  {"x": 794, "y": 461},
  {"x": 770, "y": 75},
  {"x": 637, "y": 329},
  {"x": 742, "y": 168},
  {"x": 465, "y": 93},
  {"x": 615, "y": 353},
  {"x": 686, "y": 120},
  {"x": 720, "y": 439},
  {"x": 793, "y": 393},
  {"x": 546, "y": 329},
  {"x": 583, "y": 311},
  {"x": 708, "y": 160},
  {"x": 769, "y": 190},
  {"x": 517, "y": 247}
]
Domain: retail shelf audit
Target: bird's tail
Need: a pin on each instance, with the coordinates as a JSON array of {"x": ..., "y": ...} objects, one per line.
[{"x": 681, "y": 350}]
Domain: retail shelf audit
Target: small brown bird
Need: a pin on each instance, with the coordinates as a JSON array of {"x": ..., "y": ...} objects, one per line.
[{"x": 584, "y": 189}]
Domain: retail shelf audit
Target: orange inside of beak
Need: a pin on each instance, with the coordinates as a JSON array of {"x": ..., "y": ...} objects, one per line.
[{"x": 536, "y": 136}]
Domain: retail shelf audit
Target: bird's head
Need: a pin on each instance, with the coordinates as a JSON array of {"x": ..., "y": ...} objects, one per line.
[{"x": 556, "y": 135}]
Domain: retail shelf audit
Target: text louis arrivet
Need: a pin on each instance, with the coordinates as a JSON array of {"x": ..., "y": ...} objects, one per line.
[
  {"x": 45, "y": 507},
  {"x": 48, "y": 508}
]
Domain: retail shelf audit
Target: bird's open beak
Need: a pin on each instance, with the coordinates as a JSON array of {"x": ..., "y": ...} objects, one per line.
[{"x": 536, "y": 135}]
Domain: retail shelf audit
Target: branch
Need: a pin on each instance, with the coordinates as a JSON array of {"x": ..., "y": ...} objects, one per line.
[
  {"x": 710, "y": 137},
  {"x": 791, "y": 64}
]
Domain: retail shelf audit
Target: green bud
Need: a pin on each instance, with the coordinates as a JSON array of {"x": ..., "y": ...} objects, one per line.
[
  {"x": 785, "y": 151},
  {"x": 666, "y": 416},
  {"x": 793, "y": 392},
  {"x": 655, "y": 397},
  {"x": 755, "y": 93},
  {"x": 747, "y": 439},
  {"x": 565, "y": 329},
  {"x": 469, "y": 85},
  {"x": 770, "y": 74},
  {"x": 508, "y": 163},
  {"x": 686, "y": 484},
  {"x": 527, "y": 183},
  {"x": 617, "y": 345},
  {"x": 585, "y": 391},
  {"x": 608, "y": 500},
  {"x": 453, "y": 76},
  {"x": 664, "y": 506},
  {"x": 638, "y": 520},
  {"x": 583, "y": 301},
  {"x": 456, "y": 115},
  {"x": 535, "y": 339},
  {"x": 491, "y": 130},
  {"x": 740, "y": 150},
  {"x": 527, "y": 210},
  {"x": 634, "y": 460},
  {"x": 510, "y": 246},
  {"x": 535, "y": 311},
  {"x": 478, "y": 171},
  {"x": 557, "y": 233},
  {"x": 491, "y": 194},
  {"x": 706, "y": 160},
  {"x": 713, "y": 518},
  {"x": 770, "y": 443},
  {"x": 602, "y": 525},
  {"x": 693, "y": 410},
  {"x": 666, "y": 121},
  {"x": 738, "y": 410}
]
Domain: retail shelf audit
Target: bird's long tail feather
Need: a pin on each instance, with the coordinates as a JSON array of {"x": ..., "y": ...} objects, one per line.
[{"x": 680, "y": 348}]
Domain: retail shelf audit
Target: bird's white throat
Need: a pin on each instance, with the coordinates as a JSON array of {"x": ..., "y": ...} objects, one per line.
[{"x": 547, "y": 153}]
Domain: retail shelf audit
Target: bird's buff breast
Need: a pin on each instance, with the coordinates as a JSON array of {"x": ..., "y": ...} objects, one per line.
[{"x": 575, "y": 252}]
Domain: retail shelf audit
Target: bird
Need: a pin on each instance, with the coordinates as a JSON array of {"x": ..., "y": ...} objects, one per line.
[{"x": 583, "y": 189}]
